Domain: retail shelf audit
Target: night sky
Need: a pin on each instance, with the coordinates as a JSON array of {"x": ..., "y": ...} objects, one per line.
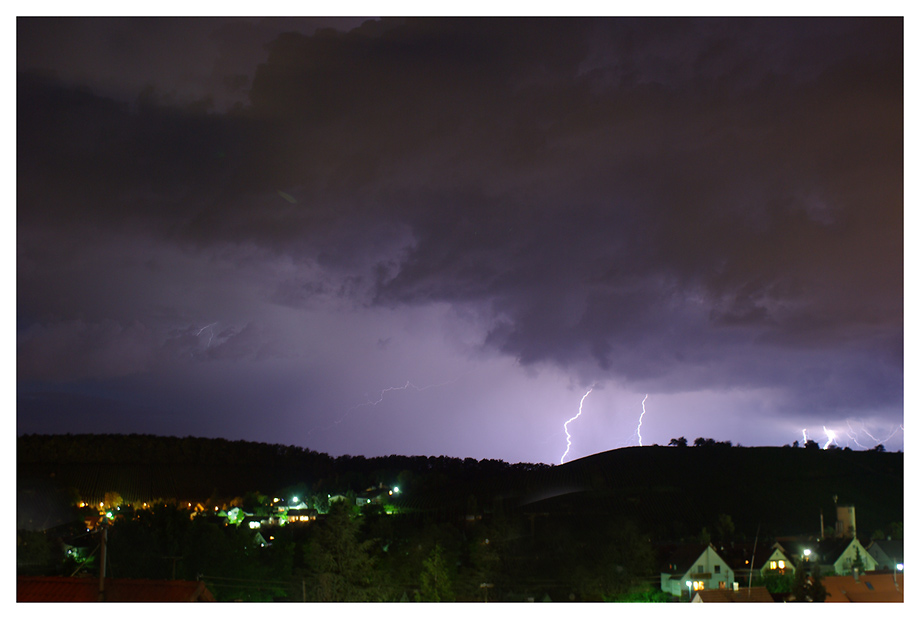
[{"x": 428, "y": 237}]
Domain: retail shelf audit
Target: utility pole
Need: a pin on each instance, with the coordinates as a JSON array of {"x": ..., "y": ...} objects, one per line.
[
  {"x": 102, "y": 549},
  {"x": 173, "y": 559}
]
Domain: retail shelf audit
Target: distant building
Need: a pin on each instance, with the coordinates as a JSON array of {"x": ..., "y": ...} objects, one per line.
[
  {"x": 304, "y": 514},
  {"x": 376, "y": 495},
  {"x": 846, "y": 521},
  {"x": 888, "y": 553},
  {"x": 700, "y": 565}
]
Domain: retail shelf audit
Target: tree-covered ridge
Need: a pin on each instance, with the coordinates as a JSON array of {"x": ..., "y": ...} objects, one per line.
[
  {"x": 148, "y": 468},
  {"x": 671, "y": 488},
  {"x": 151, "y": 449}
]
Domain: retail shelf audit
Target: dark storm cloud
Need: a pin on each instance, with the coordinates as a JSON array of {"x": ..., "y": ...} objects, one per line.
[{"x": 677, "y": 203}]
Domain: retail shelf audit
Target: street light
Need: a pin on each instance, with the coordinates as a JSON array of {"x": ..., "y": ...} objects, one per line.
[{"x": 689, "y": 590}]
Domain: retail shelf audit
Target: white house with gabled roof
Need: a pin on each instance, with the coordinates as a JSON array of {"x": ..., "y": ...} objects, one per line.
[{"x": 696, "y": 567}]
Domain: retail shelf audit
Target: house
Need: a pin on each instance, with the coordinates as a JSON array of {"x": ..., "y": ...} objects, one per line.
[
  {"x": 304, "y": 514},
  {"x": 748, "y": 560},
  {"x": 376, "y": 495},
  {"x": 888, "y": 553},
  {"x": 840, "y": 555},
  {"x": 863, "y": 588},
  {"x": 695, "y": 567},
  {"x": 836, "y": 555},
  {"x": 742, "y": 594},
  {"x": 259, "y": 540},
  {"x": 64, "y": 589}
]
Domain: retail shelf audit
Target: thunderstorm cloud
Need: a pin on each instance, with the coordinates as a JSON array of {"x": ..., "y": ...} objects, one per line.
[{"x": 244, "y": 228}]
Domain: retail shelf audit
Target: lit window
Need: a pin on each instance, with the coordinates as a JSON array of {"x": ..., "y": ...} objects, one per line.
[
  {"x": 782, "y": 565},
  {"x": 772, "y": 565},
  {"x": 721, "y": 584},
  {"x": 698, "y": 585}
]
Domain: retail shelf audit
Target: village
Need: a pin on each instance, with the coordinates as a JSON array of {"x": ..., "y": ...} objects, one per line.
[{"x": 835, "y": 566}]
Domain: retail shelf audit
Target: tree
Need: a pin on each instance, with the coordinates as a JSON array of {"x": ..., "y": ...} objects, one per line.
[
  {"x": 340, "y": 561},
  {"x": 807, "y": 587},
  {"x": 776, "y": 582},
  {"x": 435, "y": 580},
  {"x": 879, "y": 448},
  {"x": 896, "y": 530},
  {"x": 725, "y": 528},
  {"x": 678, "y": 442},
  {"x": 800, "y": 583},
  {"x": 818, "y": 592},
  {"x": 705, "y": 537},
  {"x": 858, "y": 563}
]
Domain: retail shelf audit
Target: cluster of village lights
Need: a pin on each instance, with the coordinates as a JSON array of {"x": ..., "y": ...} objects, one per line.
[{"x": 295, "y": 500}]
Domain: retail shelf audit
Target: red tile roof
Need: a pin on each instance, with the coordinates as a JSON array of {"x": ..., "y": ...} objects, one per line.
[
  {"x": 64, "y": 589},
  {"x": 746, "y": 594},
  {"x": 869, "y": 588}
]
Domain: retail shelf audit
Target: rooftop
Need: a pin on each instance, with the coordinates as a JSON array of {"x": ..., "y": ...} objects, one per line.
[{"x": 64, "y": 589}]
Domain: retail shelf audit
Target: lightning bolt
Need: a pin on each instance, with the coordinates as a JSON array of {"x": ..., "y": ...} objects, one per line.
[
  {"x": 383, "y": 393},
  {"x": 211, "y": 327},
  {"x": 831, "y": 436},
  {"x": 888, "y": 438},
  {"x": 852, "y": 434},
  {"x": 804, "y": 436},
  {"x": 640, "y": 420},
  {"x": 568, "y": 437}
]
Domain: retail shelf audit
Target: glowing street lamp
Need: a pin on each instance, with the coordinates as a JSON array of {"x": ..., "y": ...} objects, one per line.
[{"x": 689, "y": 584}]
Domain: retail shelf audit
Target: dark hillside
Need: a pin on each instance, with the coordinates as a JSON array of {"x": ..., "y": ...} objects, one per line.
[
  {"x": 781, "y": 490},
  {"x": 669, "y": 492}
]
